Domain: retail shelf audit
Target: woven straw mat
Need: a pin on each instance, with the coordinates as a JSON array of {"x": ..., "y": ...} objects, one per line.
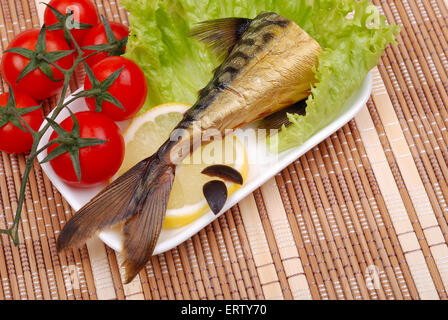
[{"x": 362, "y": 216}]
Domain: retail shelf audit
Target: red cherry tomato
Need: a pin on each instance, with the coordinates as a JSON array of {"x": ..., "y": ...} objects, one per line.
[
  {"x": 98, "y": 163},
  {"x": 130, "y": 88},
  {"x": 36, "y": 84},
  {"x": 84, "y": 11},
  {"x": 97, "y": 35},
  {"x": 13, "y": 139}
]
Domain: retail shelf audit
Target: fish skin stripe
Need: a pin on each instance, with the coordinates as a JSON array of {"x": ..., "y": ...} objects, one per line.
[
  {"x": 268, "y": 37},
  {"x": 239, "y": 54},
  {"x": 283, "y": 24},
  {"x": 247, "y": 42}
]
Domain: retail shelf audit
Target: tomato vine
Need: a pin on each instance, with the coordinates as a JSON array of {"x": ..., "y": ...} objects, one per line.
[{"x": 69, "y": 141}]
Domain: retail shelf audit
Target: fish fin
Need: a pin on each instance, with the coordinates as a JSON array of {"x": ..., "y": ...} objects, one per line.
[
  {"x": 215, "y": 193},
  {"x": 104, "y": 210},
  {"x": 280, "y": 118},
  {"x": 138, "y": 198},
  {"x": 221, "y": 34},
  {"x": 226, "y": 173},
  {"x": 142, "y": 230}
]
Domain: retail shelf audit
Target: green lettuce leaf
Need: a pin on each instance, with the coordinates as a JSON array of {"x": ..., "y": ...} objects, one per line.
[{"x": 352, "y": 34}]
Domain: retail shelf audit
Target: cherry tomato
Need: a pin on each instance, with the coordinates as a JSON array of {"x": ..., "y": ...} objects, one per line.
[
  {"x": 13, "y": 139},
  {"x": 97, "y": 35},
  {"x": 36, "y": 84},
  {"x": 84, "y": 11},
  {"x": 130, "y": 88},
  {"x": 98, "y": 163}
]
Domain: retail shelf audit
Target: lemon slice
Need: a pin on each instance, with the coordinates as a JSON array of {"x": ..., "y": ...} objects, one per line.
[{"x": 147, "y": 132}]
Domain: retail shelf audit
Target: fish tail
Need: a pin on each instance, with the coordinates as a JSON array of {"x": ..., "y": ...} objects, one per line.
[
  {"x": 142, "y": 230},
  {"x": 139, "y": 200}
]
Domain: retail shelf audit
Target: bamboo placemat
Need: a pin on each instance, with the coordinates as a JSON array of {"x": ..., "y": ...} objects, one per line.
[{"x": 362, "y": 216}]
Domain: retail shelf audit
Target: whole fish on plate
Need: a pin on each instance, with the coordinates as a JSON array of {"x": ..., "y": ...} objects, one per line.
[{"x": 267, "y": 67}]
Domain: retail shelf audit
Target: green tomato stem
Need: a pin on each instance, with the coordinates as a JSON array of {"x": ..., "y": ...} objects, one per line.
[{"x": 13, "y": 231}]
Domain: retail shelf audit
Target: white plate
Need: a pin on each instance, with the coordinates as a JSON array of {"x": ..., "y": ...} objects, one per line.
[{"x": 259, "y": 173}]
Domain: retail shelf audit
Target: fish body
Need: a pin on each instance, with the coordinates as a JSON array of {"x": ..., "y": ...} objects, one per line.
[
  {"x": 269, "y": 69},
  {"x": 268, "y": 66}
]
